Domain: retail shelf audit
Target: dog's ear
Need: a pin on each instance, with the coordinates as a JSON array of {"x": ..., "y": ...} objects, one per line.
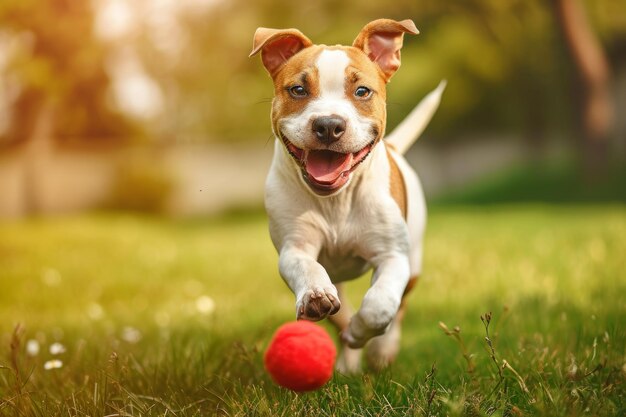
[
  {"x": 381, "y": 40},
  {"x": 277, "y": 46}
]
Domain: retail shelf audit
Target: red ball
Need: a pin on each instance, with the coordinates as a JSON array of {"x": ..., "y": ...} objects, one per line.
[{"x": 301, "y": 356}]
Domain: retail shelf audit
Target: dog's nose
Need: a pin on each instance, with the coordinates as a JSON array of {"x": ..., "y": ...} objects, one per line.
[{"x": 329, "y": 129}]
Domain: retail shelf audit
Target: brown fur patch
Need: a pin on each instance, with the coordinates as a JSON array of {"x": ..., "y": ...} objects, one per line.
[
  {"x": 396, "y": 185},
  {"x": 361, "y": 72},
  {"x": 299, "y": 70},
  {"x": 409, "y": 287}
]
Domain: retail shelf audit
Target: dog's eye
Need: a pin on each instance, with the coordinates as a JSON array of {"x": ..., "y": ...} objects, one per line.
[
  {"x": 363, "y": 92},
  {"x": 298, "y": 91}
]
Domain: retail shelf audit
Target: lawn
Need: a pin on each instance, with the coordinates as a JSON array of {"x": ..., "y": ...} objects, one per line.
[{"x": 123, "y": 315}]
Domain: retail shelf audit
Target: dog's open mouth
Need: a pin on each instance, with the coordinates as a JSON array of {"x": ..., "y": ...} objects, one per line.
[{"x": 324, "y": 170}]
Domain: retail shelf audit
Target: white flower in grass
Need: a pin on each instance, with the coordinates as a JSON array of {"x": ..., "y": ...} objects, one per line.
[
  {"x": 205, "y": 305},
  {"x": 51, "y": 277},
  {"x": 57, "y": 348},
  {"x": 32, "y": 347},
  {"x": 52, "y": 364},
  {"x": 131, "y": 335},
  {"x": 95, "y": 311}
]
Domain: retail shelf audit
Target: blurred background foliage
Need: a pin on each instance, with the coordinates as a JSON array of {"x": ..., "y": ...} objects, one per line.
[
  {"x": 172, "y": 71},
  {"x": 53, "y": 61},
  {"x": 506, "y": 63}
]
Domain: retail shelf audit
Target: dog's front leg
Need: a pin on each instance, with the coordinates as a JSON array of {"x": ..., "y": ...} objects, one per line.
[
  {"x": 381, "y": 302},
  {"x": 316, "y": 296}
]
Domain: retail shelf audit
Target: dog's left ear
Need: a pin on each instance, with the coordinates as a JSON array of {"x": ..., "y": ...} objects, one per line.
[
  {"x": 381, "y": 40},
  {"x": 277, "y": 46}
]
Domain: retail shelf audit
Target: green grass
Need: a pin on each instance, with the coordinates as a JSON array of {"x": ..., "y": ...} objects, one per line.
[{"x": 127, "y": 297}]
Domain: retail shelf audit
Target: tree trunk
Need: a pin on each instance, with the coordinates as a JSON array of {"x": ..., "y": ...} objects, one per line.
[{"x": 595, "y": 111}]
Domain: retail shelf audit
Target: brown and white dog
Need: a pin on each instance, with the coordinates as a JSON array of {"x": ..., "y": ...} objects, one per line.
[{"x": 341, "y": 199}]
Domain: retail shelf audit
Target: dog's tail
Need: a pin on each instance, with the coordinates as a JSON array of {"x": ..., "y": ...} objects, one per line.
[{"x": 407, "y": 132}]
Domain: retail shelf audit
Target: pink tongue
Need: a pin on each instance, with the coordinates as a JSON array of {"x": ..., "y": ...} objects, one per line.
[{"x": 327, "y": 166}]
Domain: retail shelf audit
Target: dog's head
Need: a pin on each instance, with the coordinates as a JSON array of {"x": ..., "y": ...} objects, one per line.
[{"x": 329, "y": 101}]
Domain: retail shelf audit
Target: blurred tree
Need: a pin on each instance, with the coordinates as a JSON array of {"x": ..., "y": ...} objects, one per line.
[
  {"x": 59, "y": 71},
  {"x": 212, "y": 90},
  {"x": 595, "y": 105},
  {"x": 62, "y": 85}
]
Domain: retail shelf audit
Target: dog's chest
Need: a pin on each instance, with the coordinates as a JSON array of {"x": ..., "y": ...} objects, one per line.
[
  {"x": 342, "y": 253},
  {"x": 354, "y": 231},
  {"x": 343, "y": 268}
]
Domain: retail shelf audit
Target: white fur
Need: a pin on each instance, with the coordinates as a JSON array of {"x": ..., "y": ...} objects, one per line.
[
  {"x": 337, "y": 238},
  {"x": 326, "y": 240},
  {"x": 331, "y": 66}
]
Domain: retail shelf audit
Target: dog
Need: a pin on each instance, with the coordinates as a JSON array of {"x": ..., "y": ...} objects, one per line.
[{"x": 341, "y": 200}]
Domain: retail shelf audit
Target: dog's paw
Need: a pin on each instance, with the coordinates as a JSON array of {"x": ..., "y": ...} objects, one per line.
[
  {"x": 375, "y": 316},
  {"x": 318, "y": 303},
  {"x": 358, "y": 333}
]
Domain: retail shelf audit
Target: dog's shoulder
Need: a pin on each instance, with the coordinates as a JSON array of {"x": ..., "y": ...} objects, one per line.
[{"x": 397, "y": 186}]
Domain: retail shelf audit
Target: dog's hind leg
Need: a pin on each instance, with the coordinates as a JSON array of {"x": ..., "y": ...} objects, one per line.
[
  {"x": 349, "y": 360},
  {"x": 382, "y": 350}
]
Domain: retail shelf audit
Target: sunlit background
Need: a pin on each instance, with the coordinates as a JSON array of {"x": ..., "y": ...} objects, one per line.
[{"x": 154, "y": 105}]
